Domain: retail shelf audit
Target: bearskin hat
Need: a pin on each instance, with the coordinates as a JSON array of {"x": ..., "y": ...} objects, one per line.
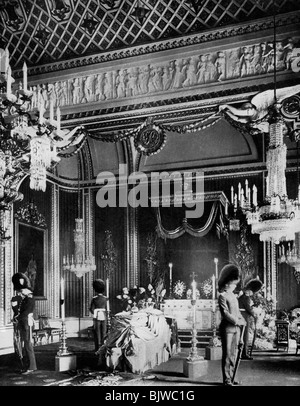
[
  {"x": 20, "y": 281},
  {"x": 99, "y": 286},
  {"x": 229, "y": 273},
  {"x": 254, "y": 284}
]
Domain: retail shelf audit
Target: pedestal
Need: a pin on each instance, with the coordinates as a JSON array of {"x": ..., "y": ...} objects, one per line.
[
  {"x": 195, "y": 369},
  {"x": 213, "y": 353},
  {"x": 65, "y": 362}
]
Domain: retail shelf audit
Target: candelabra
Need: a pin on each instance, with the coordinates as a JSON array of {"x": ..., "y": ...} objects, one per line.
[
  {"x": 65, "y": 359},
  {"x": 193, "y": 355}
]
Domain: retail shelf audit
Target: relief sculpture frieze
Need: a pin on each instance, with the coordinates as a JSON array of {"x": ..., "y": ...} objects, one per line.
[{"x": 174, "y": 75}]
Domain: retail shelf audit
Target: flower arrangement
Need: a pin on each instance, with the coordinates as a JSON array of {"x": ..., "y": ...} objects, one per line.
[
  {"x": 179, "y": 289},
  {"x": 206, "y": 289},
  {"x": 138, "y": 297}
]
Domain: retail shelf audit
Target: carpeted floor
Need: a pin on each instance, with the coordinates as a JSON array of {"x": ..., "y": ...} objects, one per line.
[{"x": 270, "y": 368}]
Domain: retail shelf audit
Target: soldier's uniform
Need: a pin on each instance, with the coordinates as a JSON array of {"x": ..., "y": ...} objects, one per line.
[
  {"x": 25, "y": 316},
  {"x": 98, "y": 308},
  {"x": 246, "y": 308},
  {"x": 231, "y": 320}
]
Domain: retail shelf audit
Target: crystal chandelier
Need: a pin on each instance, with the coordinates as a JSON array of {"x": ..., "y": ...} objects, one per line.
[
  {"x": 279, "y": 218},
  {"x": 79, "y": 263},
  {"x": 30, "y": 144}
]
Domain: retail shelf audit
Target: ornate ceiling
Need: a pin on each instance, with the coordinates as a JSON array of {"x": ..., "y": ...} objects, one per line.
[{"x": 48, "y": 31}]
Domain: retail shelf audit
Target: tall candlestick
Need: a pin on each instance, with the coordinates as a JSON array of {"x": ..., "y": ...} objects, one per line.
[
  {"x": 232, "y": 195},
  {"x": 213, "y": 293},
  {"x": 24, "y": 76},
  {"x": 246, "y": 188},
  {"x": 62, "y": 298},
  {"x": 239, "y": 191}
]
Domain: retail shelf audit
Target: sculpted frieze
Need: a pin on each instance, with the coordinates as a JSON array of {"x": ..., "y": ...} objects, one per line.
[{"x": 168, "y": 76}]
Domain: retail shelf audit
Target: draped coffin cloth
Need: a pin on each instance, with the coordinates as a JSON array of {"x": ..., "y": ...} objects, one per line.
[
  {"x": 142, "y": 340},
  {"x": 172, "y": 221}
]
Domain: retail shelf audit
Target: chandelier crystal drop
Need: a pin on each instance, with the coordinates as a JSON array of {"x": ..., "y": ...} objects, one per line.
[{"x": 279, "y": 218}]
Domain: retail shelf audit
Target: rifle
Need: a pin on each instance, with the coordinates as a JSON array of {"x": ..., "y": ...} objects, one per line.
[{"x": 239, "y": 353}]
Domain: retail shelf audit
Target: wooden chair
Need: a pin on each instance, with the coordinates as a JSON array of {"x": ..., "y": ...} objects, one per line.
[
  {"x": 282, "y": 334},
  {"x": 45, "y": 330}
]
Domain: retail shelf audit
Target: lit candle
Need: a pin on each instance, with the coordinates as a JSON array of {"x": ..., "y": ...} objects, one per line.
[
  {"x": 254, "y": 195},
  {"x": 170, "y": 266},
  {"x": 213, "y": 278},
  {"x": 267, "y": 186},
  {"x": 246, "y": 188},
  {"x": 235, "y": 201},
  {"x": 232, "y": 195},
  {"x": 216, "y": 266},
  {"x": 24, "y": 76},
  {"x": 226, "y": 208},
  {"x": 239, "y": 191},
  {"x": 242, "y": 198},
  {"x": 194, "y": 296}
]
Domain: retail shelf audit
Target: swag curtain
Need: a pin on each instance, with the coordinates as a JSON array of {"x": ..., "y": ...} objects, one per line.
[{"x": 172, "y": 221}]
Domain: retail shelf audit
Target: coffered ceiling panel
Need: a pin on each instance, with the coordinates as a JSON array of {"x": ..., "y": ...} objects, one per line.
[{"x": 49, "y": 31}]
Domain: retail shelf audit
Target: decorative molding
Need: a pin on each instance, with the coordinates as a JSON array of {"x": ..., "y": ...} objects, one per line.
[
  {"x": 29, "y": 213},
  {"x": 207, "y": 37},
  {"x": 169, "y": 76}
]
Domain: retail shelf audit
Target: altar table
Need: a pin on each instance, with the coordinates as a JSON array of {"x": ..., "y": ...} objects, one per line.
[{"x": 182, "y": 311}]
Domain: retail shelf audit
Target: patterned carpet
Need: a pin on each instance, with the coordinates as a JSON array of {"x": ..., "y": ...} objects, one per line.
[
  {"x": 268, "y": 368},
  {"x": 86, "y": 372}
]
